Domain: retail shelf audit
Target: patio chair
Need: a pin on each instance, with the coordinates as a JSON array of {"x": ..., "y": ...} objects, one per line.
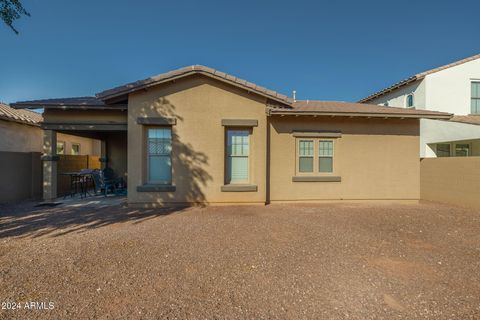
[{"x": 102, "y": 184}]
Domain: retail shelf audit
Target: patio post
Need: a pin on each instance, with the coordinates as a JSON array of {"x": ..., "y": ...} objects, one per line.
[{"x": 49, "y": 163}]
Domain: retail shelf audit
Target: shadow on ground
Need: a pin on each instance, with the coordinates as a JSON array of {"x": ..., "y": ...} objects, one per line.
[{"x": 27, "y": 220}]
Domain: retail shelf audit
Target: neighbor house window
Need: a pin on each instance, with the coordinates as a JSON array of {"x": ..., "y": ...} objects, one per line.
[
  {"x": 305, "y": 156},
  {"x": 462, "y": 150},
  {"x": 475, "y": 104},
  {"x": 409, "y": 100},
  {"x": 325, "y": 156},
  {"x": 238, "y": 151},
  {"x": 75, "y": 149},
  {"x": 159, "y": 149},
  {"x": 443, "y": 150},
  {"x": 60, "y": 147}
]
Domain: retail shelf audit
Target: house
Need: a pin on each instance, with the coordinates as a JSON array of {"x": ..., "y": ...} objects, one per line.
[
  {"x": 21, "y": 146},
  {"x": 453, "y": 88},
  {"x": 198, "y": 135}
]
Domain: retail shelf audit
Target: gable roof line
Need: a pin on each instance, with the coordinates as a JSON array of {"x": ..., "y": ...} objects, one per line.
[
  {"x": 418, "y": 76},
  {"x": 187, "y": 71}
]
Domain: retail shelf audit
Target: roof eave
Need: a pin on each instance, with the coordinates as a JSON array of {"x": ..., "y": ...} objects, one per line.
[
  {"x": 25, "y": 105},
  {"x": 114, "y": 93},
  {"x": 444, "y": 116},
  {"x": 391, "y": 88}
]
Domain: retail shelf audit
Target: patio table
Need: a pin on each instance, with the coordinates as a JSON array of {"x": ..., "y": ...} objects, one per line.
[{"x": 78, "y": 180}]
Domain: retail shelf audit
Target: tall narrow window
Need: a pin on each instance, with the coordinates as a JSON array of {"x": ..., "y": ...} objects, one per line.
[
  {"x": 409, "y": 100},
  {"x": 237, "y": 156},
  {"x": 325, "y": 156},
  {"x": 75, "y": 149},
  {"x": 60, "y": 147},
  {"x": 305, "y": 156},
  {"x": 475, "y": 104},
  {"x": 159, "y": 155},
  {"x": 462, "y": 150},
  {"x": 443, "y": 150}
]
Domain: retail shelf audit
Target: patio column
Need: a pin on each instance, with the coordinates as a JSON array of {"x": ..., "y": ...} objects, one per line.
[
  {"x": 49, "y": 163},
  {"x": 103, "y": 153}
]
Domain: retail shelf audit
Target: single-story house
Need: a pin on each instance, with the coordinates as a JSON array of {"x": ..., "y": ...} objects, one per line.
[{"x": 198, "y": 135}]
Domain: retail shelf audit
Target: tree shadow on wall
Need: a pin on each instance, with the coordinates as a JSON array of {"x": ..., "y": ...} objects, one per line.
[{"x": 189, "y": 174}]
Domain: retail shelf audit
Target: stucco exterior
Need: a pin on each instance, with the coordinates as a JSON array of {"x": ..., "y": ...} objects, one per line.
[
  {"x": 375, "y": 159},
  {"x": 198, "y": 153},
  {"x": 19, "y": 137},
  {"x": 398, "y": 97}
]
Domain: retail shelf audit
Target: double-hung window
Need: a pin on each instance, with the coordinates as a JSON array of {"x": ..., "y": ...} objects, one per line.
[
  {"x": 305, "y": 156},
  {"x": 60, "y": 147},
  {"x": 238, "y": 151},
  {"x": 462, "y": 150},
  {"x": 75, "y": 149},
  {"x": 443, "y": 150},
  {"x": 475, "y": 97},
  {"x": 325, "y": 156},
  {"x": 159, "y": 149}
]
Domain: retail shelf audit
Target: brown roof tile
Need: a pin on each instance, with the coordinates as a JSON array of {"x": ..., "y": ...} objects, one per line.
[
  {"x": 22, "y": 116},
  {"x": 186, "y": 71},
  {"x": 309, "y": 107},
  {"x": 470, "y": 119}
]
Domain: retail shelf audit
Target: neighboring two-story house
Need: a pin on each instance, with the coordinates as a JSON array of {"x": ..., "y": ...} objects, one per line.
[{"x": 453, "y": 88}]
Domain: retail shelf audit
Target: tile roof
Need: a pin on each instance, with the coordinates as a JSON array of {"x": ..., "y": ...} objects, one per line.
[
  {"x": 309, "y": 107},
  {"x": 470, "y": 119},
  {"x": 186, "y": 71},
  {"x": 21, "y": 116},
  {"x": 61, "y": 103},
  {"x": 416, "y": 77}
]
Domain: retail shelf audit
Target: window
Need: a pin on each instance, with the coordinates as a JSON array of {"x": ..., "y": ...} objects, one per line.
[
  {"x": 75, "y": 149},
  {"x": 385, "y": 104},
  {"x": 60, "y": 147},
  {"x": 409, "y": 100},
  {"x": 159, "y": 149},
  {"x": 443, "y": 150},
  {"x": 237, "y": 156},
  {"x": 462, "y": 150},
  {"x": 325, "y": 156},
  {"x": 475, "y": 104},
  {"x": 305, "y": 156}
]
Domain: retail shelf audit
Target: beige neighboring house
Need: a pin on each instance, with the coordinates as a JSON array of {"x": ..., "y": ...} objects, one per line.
[
  {"x": 452, "y": 88},
  {"x": 198, "y": 135},
  {"x": 21, "y": 146}
]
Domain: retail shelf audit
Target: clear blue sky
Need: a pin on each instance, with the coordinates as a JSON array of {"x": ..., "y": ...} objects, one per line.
[{"x": 328, "y": 50}]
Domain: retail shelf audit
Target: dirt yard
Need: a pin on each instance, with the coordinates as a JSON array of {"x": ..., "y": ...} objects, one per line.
[{"x": 338, "y": 261}]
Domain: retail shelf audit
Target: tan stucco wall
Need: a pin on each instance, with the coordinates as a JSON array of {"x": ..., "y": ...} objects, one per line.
[
  {"x": 453, "y": 180},
  {"x": 17, "y": 137},
  {"x": 377, "y": 159},
  {"x": 199, "y": 104},
  {"x": 87, "y": 146}
]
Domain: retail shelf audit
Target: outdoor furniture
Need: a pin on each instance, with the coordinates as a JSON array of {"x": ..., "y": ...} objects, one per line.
[
  {"x": 102, "y": 183},
  {"x": 78, "y": 182}
]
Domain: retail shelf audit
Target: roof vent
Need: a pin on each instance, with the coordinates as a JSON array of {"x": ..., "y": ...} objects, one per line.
[{"x": 294, "y": 94}]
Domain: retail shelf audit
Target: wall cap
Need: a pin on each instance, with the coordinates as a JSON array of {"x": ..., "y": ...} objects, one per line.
[
  {"x": 317, "y": 134},
  {"x": 239, "y": 122},
  {"x": 170, "y": 121}
]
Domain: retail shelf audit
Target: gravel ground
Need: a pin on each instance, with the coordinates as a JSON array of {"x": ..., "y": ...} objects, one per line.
[{"x": 332, "y": 261}]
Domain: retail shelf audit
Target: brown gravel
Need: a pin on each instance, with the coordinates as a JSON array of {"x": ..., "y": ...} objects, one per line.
[{"x": 331, "y": 261}]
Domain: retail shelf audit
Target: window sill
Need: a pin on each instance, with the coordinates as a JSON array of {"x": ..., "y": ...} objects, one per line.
[
  {"x": 239, "y": 188},
  {"x": 316, "y": 179},
  {"x": 156, "y": 188}
]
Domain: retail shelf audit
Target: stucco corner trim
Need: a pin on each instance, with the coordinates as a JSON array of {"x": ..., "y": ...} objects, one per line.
[
  {"x": 50, "y": 158},
  {"x": 239, "y": 188},
  {"x": 156, "y": 188},
  {"x": 317, "y": 134},
  {"x": 239, "y": 122},
  {"x": 165, "y": 121},
  {"x": 317, "y": 179}
]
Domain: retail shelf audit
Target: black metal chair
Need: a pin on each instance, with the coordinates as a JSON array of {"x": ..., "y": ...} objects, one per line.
[{"x": 102, "y": 184}]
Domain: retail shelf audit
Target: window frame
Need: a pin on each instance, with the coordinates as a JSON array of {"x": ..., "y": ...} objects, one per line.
[
  {"x": 147, "y": 156},
  {"x": 316, "y": 156},
  {"x": 476, "y": 98},
  {"x": 79, "y": 149},
  {"x": 60, "y": 143},
  {"x": 407, "y": 100},
  {"x": 449, "y": 150},
  {"x": 227, "y": 167},
  {"x": 306, "y": 156},
  {"x": 469, "y": 150}
]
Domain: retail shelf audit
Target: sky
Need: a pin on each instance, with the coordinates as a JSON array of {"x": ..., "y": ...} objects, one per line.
[{"x": 325, "y": 50}]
